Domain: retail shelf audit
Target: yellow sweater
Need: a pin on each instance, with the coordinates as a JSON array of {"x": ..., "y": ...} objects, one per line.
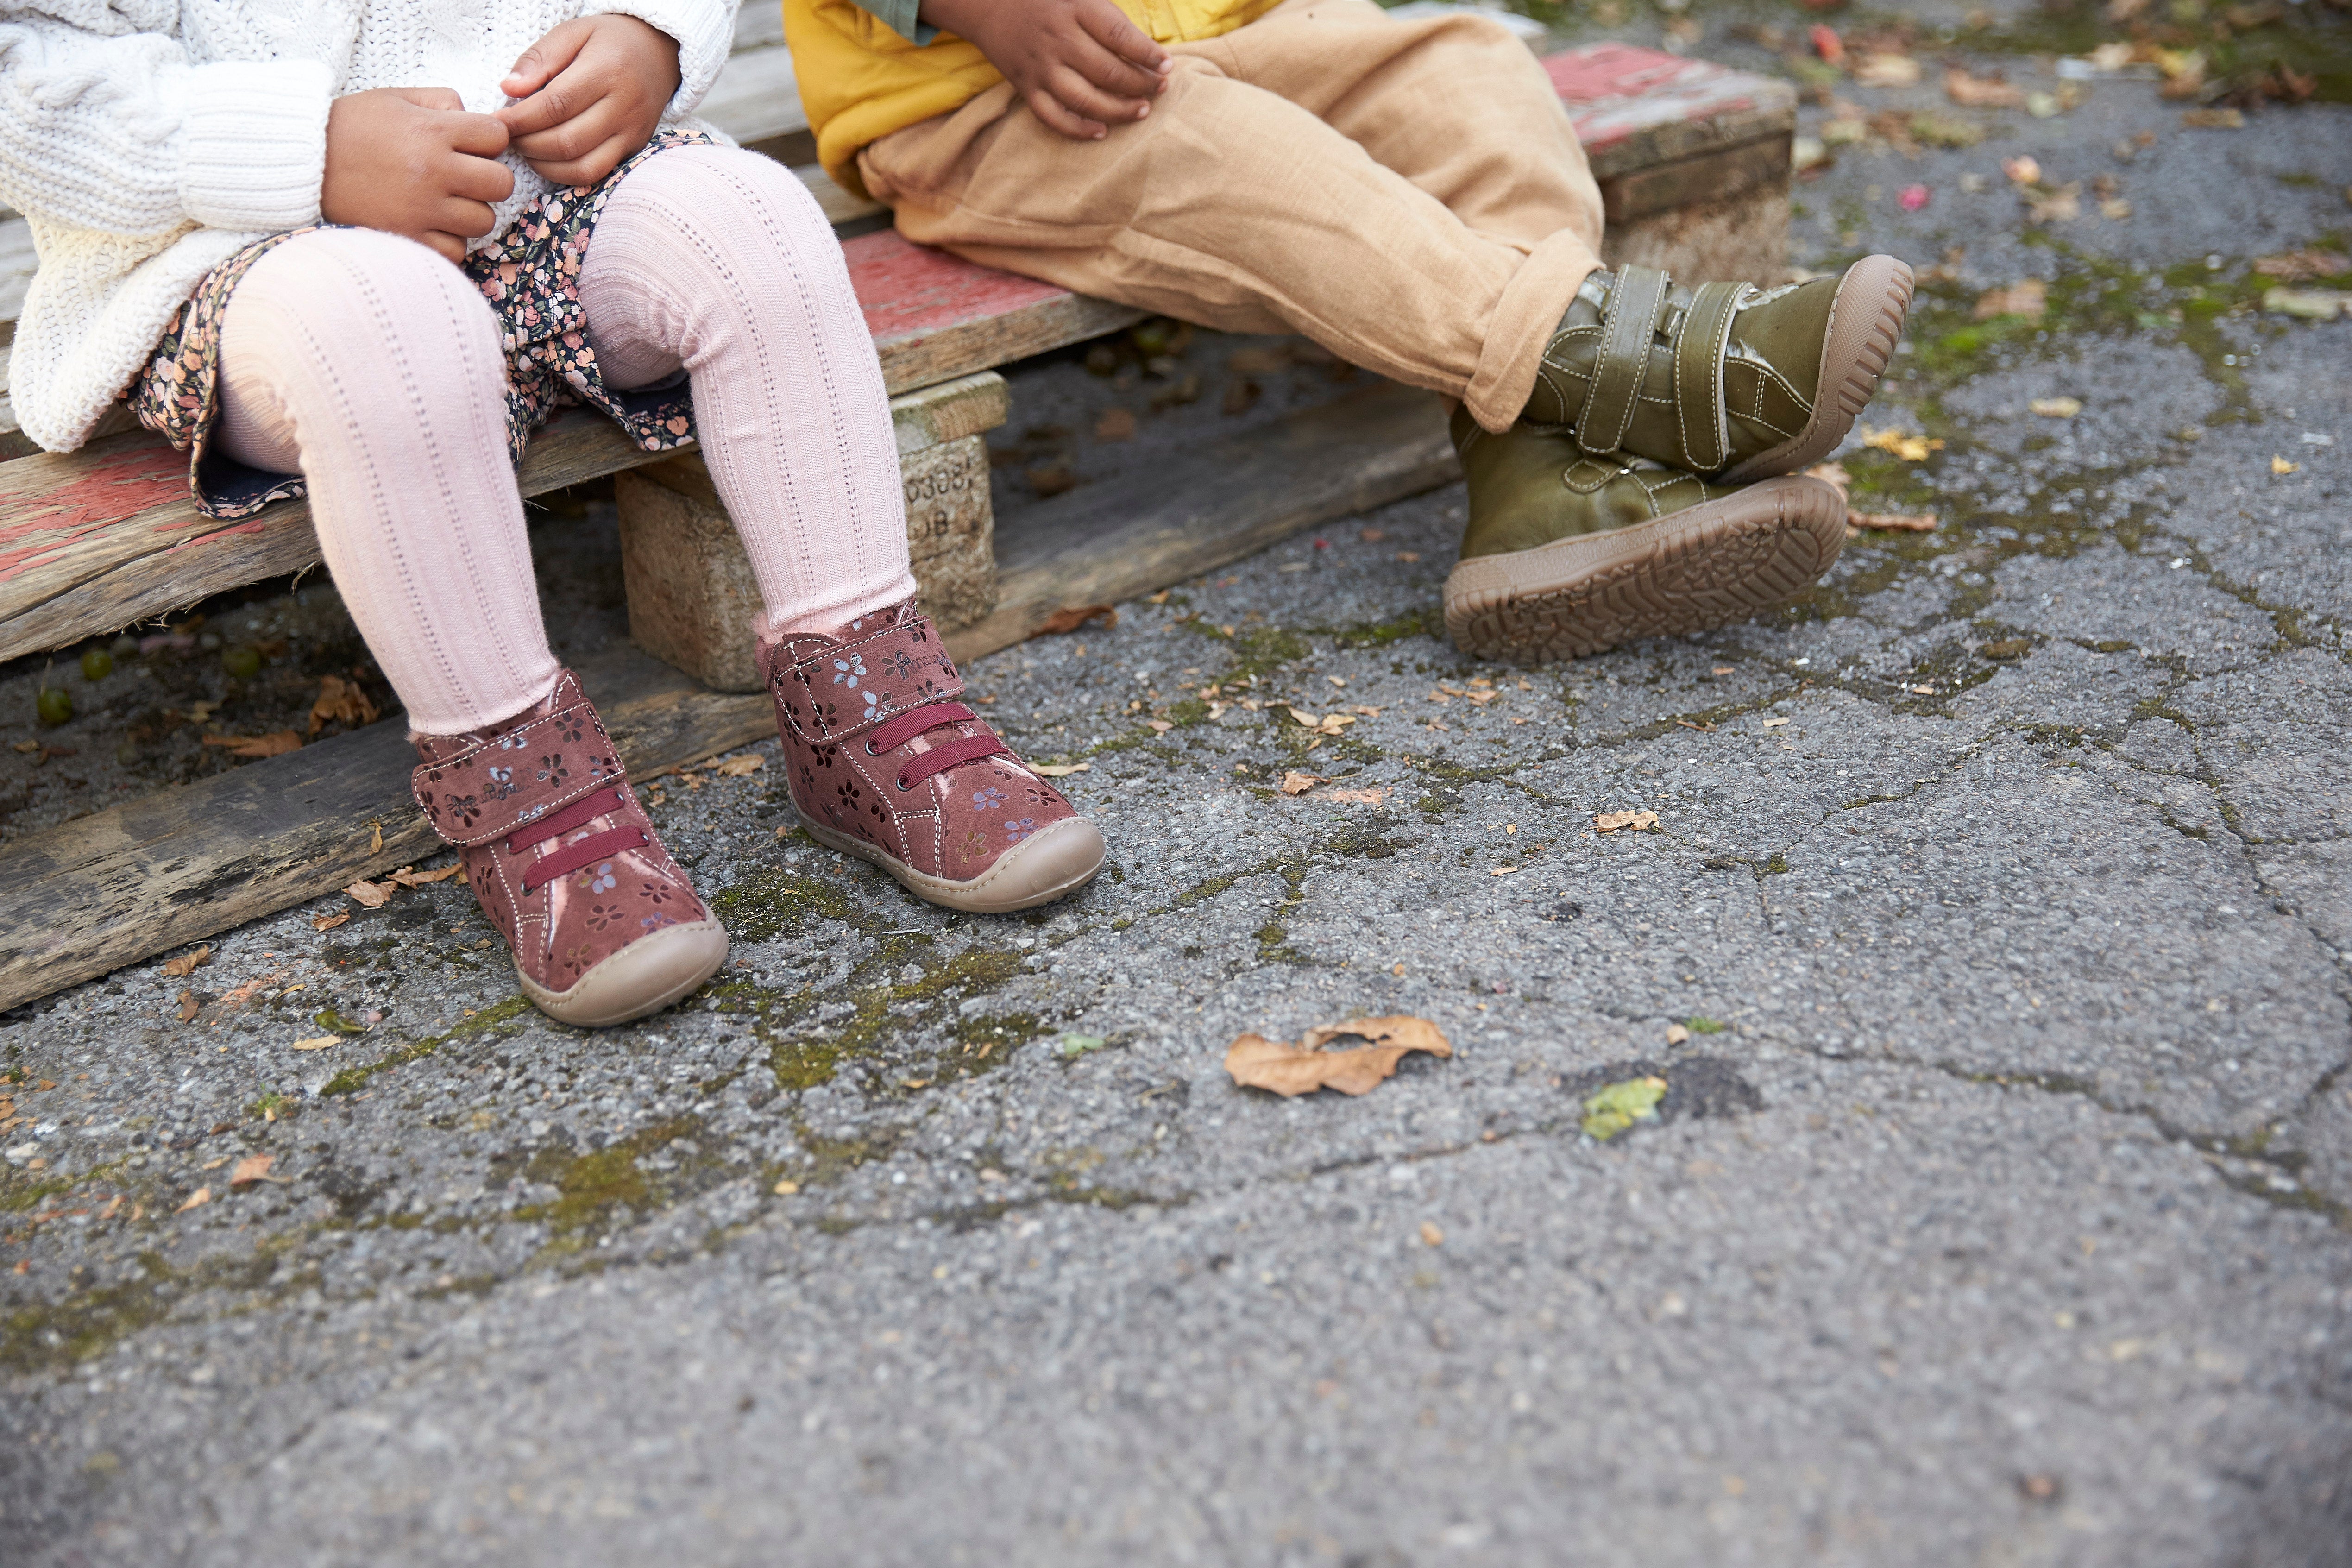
[{"x": 859, "y": 80}]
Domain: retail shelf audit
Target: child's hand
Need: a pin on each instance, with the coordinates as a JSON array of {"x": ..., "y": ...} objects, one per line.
[
  {"x": 593, "y": 90},
  {"x": 1080, "y": 65},
  {"x": 410, "y": 160}
]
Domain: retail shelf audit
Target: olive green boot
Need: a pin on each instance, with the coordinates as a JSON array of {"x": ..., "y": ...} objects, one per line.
[
  {"x": 1725, "y": 380},
  {"x": 1567, "y": 554}
]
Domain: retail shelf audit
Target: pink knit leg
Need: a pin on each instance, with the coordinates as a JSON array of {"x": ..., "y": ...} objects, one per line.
[
  {"x": 372, "y": 367},
  {"x": 721, "y": 261}
]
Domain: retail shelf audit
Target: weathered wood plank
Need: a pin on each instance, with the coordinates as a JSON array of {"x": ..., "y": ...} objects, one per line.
[
  {"x": 934, "y": 316},
  {"x": 1109, "y": 542},
  {"x": 191, "y": 861},
  {"x": 1634, "y": 107}
]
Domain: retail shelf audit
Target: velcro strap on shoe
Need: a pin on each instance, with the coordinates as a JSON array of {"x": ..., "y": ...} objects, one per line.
[
  {"x": 1628, "y": 325},
  {"x": 1698, "y": 376},
  {"x": 846, "y": 689},
  {"x": 513, "y": 776}
]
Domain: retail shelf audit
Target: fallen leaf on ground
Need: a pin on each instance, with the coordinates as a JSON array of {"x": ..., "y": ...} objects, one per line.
[
  {"x": 1077, "y": 1044},
  {"x": 276, "y": 744},
  {"x": 737, "y": 767},
  {"x": 240, "y": 995},
  {"x": 1059, "y": 770},
  {"x": 1981, "y": 92},
  {"x": 1288, "y": 1069},
  {"x": 2056, "y": 407},
  {"x": 1158, "y": 726},
  {"x": 201, "y": 1195},
  {"x": 1774, "y": 723},
  {"x": 2307, "y": 304},
  {"x": 1613, "y": 1107},
  {"x": 374, "y": 895},
  {"x": 2184, "y": 75},
  {"x": 1296, "y": 783},
  {"x": 1826, "y": 43},
  {"x": 2303, "y": 266},
  {"x": 2212, "y": 119},
  {"x": 785, "y": 1189},
  {"x": 1887, "y": 71},
  {"x": 189, "y": 1007},
  {"x": 1116, "y": 425},
  {"x": 1256, "y": 362},
  {"x": 1913, "y": 197},
  {"x": 1910, "y": 449},
  {"x": 341, "y": 701},
  {"x": 1616, "y": 821},
  {"x": 1896, "y": 521},
  {"x": 328, "y": 922},
  {"x": 2030, "y": 299},
  {"x": 180, "y": 968},
  {"x": 2023, "y": 170},
  {"x": 1503, "y": 871},
  {"x": 318, "y": 1042},
  {"x": 2114, "y": 209},
  {"x": 1063, "y": 621},
  {"x": 1431, "y": 1236},
  {"x": 251, "y": 1169},
  {"x": 1355, "y": 797},
  {"x": 409, "y": 877},
  {"x": 2064, "y": 204},
  {"x": 2280, "y": 466}
]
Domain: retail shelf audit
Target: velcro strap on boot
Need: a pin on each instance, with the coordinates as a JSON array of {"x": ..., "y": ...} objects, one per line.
[
  {"x": 1628, "y": 328},
  {"x": 839, "y": 689},
  {"x": 511, "y": 777},
  {"x": 1698, "y": 376}
]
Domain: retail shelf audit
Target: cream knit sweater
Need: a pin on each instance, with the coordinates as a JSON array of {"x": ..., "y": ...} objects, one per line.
[{"x": 147, "y": 141}]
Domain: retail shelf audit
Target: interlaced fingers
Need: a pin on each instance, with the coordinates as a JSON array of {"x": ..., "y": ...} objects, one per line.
[
  {"x": 938, "y": 759},
  {"x": 573, "y": 857}
]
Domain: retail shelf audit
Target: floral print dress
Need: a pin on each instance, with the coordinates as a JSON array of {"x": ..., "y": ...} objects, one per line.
[{"x": 530, "y": 274}]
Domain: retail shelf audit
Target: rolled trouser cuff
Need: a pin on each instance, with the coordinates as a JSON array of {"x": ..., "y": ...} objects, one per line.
[{"x": 1522, "y": 324}]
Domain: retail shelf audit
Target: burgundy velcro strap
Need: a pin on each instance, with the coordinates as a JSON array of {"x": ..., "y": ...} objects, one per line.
[
  {"x": 907, "y": 726},
  {"x": 953, "y": 753},
  {"x": 846, "y": 689},
  {"x": 587, "y": 808},
  {"x": 516, "y": 777},
  {"x": 587, "y": 852}
]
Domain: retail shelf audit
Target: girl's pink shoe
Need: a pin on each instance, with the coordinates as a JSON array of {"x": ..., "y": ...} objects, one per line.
[
  {"x": 603, "y": 924},
  {"x": 885, "y": 764}
]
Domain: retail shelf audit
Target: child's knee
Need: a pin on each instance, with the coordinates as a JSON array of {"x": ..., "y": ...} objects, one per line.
[
  {"x": 726, "y": 186},
  {"x": 354, "y": 304}
]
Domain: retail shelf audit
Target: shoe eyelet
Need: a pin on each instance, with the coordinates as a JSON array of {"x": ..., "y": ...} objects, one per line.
[
  {"x": 901, "y": 781},
  {"x": 870, "y": 749}
]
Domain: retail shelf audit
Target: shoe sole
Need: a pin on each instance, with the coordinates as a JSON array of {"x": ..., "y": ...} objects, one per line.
[
  {"x": 1048, "y": 865},
  {"x": 1705, "y": 566},
  {"x": 644, "y": 977},
  {"x": 1865, "y": 323}
]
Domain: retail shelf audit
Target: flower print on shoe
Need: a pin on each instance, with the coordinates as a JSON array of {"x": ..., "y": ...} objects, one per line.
[
  {"x": 603, "y": 924},
  {"x": 910, "y": 778}
]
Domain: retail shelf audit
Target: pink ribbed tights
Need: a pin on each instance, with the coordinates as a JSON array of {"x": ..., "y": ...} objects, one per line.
[{"x": 374, "y": 368}]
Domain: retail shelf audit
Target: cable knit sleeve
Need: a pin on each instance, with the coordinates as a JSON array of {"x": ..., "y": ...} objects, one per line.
[
  {"x": 705, "y": 31},
  {"x": 116, "y": 132}
]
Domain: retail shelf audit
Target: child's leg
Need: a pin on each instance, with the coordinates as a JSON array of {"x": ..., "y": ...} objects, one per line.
[
  {"x": 372, "y": 367},
  {"x": 1235, "y": 207},
  {"x": 721, "y": 261}
]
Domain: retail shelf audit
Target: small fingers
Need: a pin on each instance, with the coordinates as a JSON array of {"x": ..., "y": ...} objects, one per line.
[
  {"x": 469, "y": 220},
  {"x": 1104, "y": 69},
  {"x": 478, "y": 179},
  {"x": 574, "y": 138},
  {"x": 545, "y": 59},
  {"x": 563, "y": 99},
  {"x": 477, "y": 135},
  {"x": 1109, "y": 26},
  {"x": 447, "y": 245},
  {"x": 443, "y": 98},
  {"x": 587, "y": 170},
  {"x": 1083, "y": 97},
  {"x": 1051, "y": 112}
]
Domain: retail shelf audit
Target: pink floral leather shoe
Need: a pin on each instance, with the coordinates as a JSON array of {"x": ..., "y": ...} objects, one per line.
[
  {"x": 603, "y": 924},
  {"x": 885, "y": 763}
]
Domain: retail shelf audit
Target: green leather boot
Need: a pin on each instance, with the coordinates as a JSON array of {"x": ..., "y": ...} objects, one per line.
[
  {"x": 1726, "y": 380},
  {"x": 1567, "y": 554}
]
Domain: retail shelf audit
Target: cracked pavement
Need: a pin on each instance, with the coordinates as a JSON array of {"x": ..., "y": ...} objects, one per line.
[{"x": 1994, "y": 925}]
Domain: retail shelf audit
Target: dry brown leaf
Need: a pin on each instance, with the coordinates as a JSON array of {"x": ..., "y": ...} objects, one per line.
[
  {"x": 2030, "y": 299},
  {"x": 1981, "y": 92},
  {"x": 189, "y": 1007},
  {"x": 201, "y": 1195},
  {"x": 2023, "y": 170},
  {"x": 1887, "y": 71},
  {"x": 375, "y": 837},
  {"x": 1297, "y": 783},
  {"x": 275, "y": 744},
  {"x": 2303, "y": 266},
  {"x": 1288, "y": 1069},
  {"x": 1116, "y": 425},
  {"x": 408, "y": 877},
  {"x": 1431, "y": 1236},
  {"x": 738, "y": 767},
  {"x": 328, "y": 922},
  {"x": 1063, "y": 621},
  {"x": 1617, "y": 821},
  {"x": 188, "y": 964},
  {"x": 372, "y": 895},
  {"x": 1899, "y": 522},
  {"x": 251, "y": 1169},
  {"x": 1158, "y": 726},
  {"x": 1059, "y": 770},
  {"x": 2056, "y": 407},
  {"x": 1355, "y": 797},
  {"x": 341, "y": 701},
  {"x": 2064, "y": 204},
  {"x": 317, "y": 1043}
]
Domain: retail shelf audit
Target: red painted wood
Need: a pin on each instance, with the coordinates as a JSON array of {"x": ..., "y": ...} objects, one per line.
[
  {"x": 1612, "y": 90},
  {"x": 910, "y": 291},
  {"x": 100, "y": 492}
]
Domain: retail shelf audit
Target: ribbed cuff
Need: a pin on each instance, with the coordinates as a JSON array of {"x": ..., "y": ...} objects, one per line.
[{"x": 254, "y": 144}]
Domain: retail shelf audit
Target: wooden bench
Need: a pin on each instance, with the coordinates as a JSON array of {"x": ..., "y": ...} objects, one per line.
[{"x": 1693, "y": 165}]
